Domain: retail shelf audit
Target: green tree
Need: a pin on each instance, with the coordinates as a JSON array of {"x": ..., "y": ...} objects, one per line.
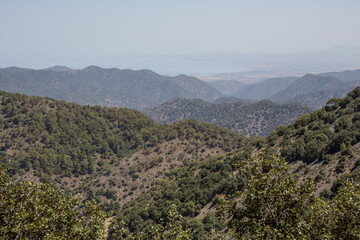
[
  {"x": 274, "y": 205},
  {"x": 38, "y": 211},
  {"x": 170, "y": 228},
  {"x": 269, "y": 205}
]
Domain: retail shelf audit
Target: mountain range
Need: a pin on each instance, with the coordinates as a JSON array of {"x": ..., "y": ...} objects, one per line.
[
  {"x": 105, "y": 87},
  {"x": 322, "y": 146},
  {"x": 314, "y": 91},
  {"x": 138, "y": 169},
  {"x": 311, "y": 90}
]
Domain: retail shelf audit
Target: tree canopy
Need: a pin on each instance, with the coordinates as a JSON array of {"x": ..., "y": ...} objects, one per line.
[{"x": 39, "y": 211}]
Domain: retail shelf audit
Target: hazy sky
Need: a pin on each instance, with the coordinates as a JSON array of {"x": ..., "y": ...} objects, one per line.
[{"x": 79, "y": 29}]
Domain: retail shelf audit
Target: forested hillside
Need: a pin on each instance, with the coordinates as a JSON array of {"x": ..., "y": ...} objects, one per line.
[
  {"x": 189, "y": 171},
  {"x": 323, "y": 145},
  {"x": 108, "y": 154},
  {"x": 105, "y": 87},
  {"x": 243, "y": 116}
]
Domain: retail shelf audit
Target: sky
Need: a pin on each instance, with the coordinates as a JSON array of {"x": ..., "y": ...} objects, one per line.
[{"x": 39, "y": 32}]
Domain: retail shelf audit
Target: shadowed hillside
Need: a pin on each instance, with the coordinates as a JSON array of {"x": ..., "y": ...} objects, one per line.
[
  {"x": 243, "y": 116},
  {"x": 105, "y": 87}
]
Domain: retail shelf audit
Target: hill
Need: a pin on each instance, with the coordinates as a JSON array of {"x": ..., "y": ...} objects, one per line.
[
  {"x": 242, "y": 116},
  {"x": 108, "y": 154},
  {"x": 348, "y": 75},
  {"x": 140, "y": 169},
  {"x": 308, "y": 84},
  {"x": 318, "y": 99},
  {"x": 322, "y": 145},
  {"x": 105, "y": 87},
  {"x": 314, "y": 91},
  {"x": 228, "y": 87},
  {"x": 230, "y": 100},
  {"x": 264, "y": 89},
  {"x": 59, "y": 68}
]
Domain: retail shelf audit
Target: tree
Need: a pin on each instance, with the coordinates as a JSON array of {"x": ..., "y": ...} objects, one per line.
[
  {"x": 39, "y": 211},
  {"x": 269, "y": 205},
  {"x": 274, "y": 205},
  {"x": 170, "y": 228}
]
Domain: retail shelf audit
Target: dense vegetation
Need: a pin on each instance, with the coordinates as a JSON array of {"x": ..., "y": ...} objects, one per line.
[
  {"x": 316, "y": 196},
  {"x": 105, "y": 87},
  {"x": 317, "y": 135},
  {"x": 89, "y": 149},
  {"x": 328, "y": 136},
  {"x": 274, "y": 205},
  {"x": 259, "y": 118},
  {"x": 190, "y": 189},
  {"x": 32, "y": 211}
]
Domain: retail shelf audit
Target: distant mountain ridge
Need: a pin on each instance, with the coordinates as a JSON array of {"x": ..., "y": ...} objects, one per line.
[
  {"x": 105, "y": 87},
  {"x": 347, "y": 75},
  {"x": 58, "y": 68},
  {"x": 265, "y": 89},
  {"x": 243, "y": 116},
  {"x": 228, "y": 87},
  {"x": 308, "y": 84},
  {"x": 314, "y": 90}
]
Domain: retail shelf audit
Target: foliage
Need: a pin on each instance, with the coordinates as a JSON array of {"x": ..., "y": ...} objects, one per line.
[
  {"x": 31, "y": 211},
  {"x": 169, "y": 228},
  {"x": 249, "y": 118},
  {"x": 190, "y": 188},
  {"x": 274, "y": 205},
  {"x": 53, "y": 141},
  {"x": 314, "y": 136}
]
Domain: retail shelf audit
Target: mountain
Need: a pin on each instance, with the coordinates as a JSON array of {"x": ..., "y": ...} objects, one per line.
[
  {"x": 348, "y": 75},
  {"x": 139, "y": 169},
  {"x": 314, "y": 91},
  {"x": 109, "y": 154},
  {"x": 264, "y": 89},
  {"x": 58, "y": 68},
  {"x": 308, "y": 84},
  {"x": 230, "y": 100},
  {"x": 322, "y": 145},
  {"x": 318, "y": 99},
  {"x": 242, "y": 116},
  {"x": 227, "y": 87},
  {"x": 198, "y": 88},
  {"x": 105, "y": 87}
]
